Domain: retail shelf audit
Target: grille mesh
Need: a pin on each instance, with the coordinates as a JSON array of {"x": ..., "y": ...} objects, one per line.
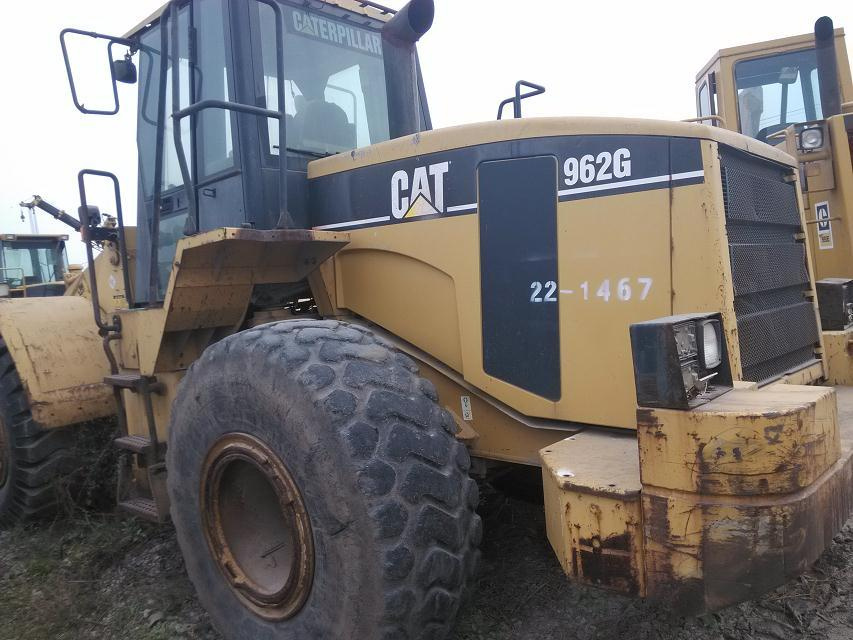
[{"x": 776, "y": 321}]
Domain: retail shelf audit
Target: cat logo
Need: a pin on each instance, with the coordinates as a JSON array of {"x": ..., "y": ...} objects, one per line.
[
  {"x": 420, "y": 195},
  {"x": 824, "y": 225}
]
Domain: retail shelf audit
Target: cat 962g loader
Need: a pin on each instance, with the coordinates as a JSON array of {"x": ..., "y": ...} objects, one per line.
[{"x": 311, "y": 357}]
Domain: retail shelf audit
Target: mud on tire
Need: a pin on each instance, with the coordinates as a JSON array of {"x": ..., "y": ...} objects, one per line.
[
  {"x": 31, "y": 458},
  {"x": 384, "y": 481}
]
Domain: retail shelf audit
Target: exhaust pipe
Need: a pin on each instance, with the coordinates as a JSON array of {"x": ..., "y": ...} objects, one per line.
[
  {"x": 402, "y": 73},
  {"x": 827, "y": 67}
]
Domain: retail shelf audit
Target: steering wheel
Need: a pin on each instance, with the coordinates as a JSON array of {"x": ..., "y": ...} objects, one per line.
[{"x": 770, "y": 130}]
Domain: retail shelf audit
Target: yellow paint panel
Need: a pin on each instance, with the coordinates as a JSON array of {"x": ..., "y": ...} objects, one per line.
[
  {"x": 614, "y": 258},
  {"x": 410, "y": 298}
]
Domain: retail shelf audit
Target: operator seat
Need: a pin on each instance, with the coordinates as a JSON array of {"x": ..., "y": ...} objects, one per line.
[{"x": 324, "y": 125}]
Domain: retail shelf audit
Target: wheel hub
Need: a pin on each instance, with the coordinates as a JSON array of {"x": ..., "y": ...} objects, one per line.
[
  {"x": 257, "y": 526},
  {"x": 5, "y": 456}
]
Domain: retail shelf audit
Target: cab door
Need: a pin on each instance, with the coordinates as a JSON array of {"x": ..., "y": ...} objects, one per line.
[{"x": 208, "y": 139}]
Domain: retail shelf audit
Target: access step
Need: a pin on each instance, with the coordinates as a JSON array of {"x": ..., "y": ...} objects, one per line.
[
  {"x": 144, "y": 508},
  {"x": 134, "y": 381},
  {"x": 135, "y": 444}
]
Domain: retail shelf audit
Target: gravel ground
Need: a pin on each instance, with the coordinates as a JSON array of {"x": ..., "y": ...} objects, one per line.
[{"x": 105, "y": 577}]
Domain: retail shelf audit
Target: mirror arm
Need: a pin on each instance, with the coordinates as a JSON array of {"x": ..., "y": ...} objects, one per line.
[{"x": 113, "y": 40}]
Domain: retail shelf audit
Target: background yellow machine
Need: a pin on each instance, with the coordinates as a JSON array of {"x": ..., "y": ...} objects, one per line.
[
  {"x": 32, "y": 265},
  {"x": 304, "y": 356},
  {"x": 797, "y": 93}
]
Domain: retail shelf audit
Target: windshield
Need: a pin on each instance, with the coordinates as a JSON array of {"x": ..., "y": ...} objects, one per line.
[
  {"x": 334, "y": 83},
  {"x": 776, "y": 91},
  {"x": 32, "y": 262}
]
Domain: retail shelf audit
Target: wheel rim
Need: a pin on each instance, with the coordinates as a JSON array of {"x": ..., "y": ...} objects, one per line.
[{"x": 257, "y": 526}]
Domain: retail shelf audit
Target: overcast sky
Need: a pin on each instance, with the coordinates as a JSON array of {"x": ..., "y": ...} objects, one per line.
[{"x": 607, "y": 58}]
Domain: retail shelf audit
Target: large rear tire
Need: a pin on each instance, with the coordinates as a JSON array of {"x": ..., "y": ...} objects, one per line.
[
  {"x": 32, "y": 459},
  {"x": 318, "y": 490}
]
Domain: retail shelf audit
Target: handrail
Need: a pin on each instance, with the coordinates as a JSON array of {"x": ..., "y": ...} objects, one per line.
[
  {"x": 719, "y": 119},
  {"x": 86, "y": 233},
  {"x": 537, "y": 89},
  {"x": 375, "y": 5},
  {"x": 285, "y": 221}
]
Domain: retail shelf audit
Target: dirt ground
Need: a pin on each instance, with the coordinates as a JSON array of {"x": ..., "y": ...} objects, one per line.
[{"x": 105, "y": 577}]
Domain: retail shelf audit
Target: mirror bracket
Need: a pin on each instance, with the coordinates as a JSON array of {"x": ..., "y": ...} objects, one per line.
[{"x": 119, "y": 69}]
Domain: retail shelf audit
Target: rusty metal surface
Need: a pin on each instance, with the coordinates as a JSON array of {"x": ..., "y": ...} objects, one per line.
[
  {"x": 704, "y": 554},
  {"x": 257, "y": 527},
  {"x": 838, "y": 349},
  {"x": 209, "y": 290},
  {"x": 709, "y": 507},
  {"x": 714, "y": 538},
  {"x": 774, "y": 440},
  {"x": 593, "y": 512}
]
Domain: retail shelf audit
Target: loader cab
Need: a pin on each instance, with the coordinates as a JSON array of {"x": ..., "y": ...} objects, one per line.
[
  {"x": 762, "y": 88},
  {"x": 32, "y": 265},
  {"x": 344, "y": 86}
]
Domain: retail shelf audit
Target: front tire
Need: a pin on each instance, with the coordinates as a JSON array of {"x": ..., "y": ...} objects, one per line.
[
  {"x": 317, "y": 488},
  {"x": 32, "y": 459}
]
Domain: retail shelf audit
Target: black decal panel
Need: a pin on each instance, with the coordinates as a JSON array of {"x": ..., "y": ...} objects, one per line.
[
  {"x": 443, "y": 184},
  {"x": 518, "y": 273}
]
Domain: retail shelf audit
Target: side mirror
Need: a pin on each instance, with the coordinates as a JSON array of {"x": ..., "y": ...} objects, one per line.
[
  {"x": 124, "y": 71},
  {"x": 120, "y": 70}
]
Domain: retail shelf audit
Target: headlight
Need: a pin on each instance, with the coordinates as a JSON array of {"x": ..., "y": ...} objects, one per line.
[
  {"x": 711, "y": 338},
  {"x": 680, "y": 361},
  {"x": 810, "y": 138}
]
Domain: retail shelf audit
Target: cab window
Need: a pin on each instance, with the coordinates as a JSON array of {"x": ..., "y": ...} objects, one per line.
[
  {"x": 704, "y": 100},
  {"x": 33, "y": 262},
  {"x": 334, "y": 85},
  {"x": 776, "y": 91}
]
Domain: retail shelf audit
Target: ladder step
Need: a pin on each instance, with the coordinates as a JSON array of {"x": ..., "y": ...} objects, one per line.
[
  {"x": 125, "y": 380},
  {"x": 136, "y": 382},
  {"x": 136, "y": 444},
  {"x": 144, "y": 508}
]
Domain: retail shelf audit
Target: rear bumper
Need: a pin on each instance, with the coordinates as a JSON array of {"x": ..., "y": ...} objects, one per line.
[
  {"x": 730, "y": 549},
  {"x": 726, "y": 503}
]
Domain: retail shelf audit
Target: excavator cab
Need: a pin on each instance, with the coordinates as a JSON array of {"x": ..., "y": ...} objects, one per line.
[{"x": 228, "y": 87}]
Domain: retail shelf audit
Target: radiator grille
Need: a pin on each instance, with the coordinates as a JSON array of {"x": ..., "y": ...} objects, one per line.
[{"x": 776, "y": 321}]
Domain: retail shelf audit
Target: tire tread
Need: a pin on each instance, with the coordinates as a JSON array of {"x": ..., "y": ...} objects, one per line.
[{"x": 411, "y": 469}]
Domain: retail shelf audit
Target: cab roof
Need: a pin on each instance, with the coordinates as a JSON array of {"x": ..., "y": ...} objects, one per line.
[
  {"x": 804, "y": 40},
  {"x": 24, "y": 237},
  {"x": 367, "y": 8}
]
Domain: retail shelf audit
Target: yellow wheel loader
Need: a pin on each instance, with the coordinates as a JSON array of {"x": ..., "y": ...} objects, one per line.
[
  {"x": 796, "y": 93},
  {"x": 330, "y": 317}
]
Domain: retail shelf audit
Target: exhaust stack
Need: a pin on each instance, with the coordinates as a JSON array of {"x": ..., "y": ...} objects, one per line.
[
  {"x": 399, "y": 36},
  {"x": 827, "y": 67}
]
